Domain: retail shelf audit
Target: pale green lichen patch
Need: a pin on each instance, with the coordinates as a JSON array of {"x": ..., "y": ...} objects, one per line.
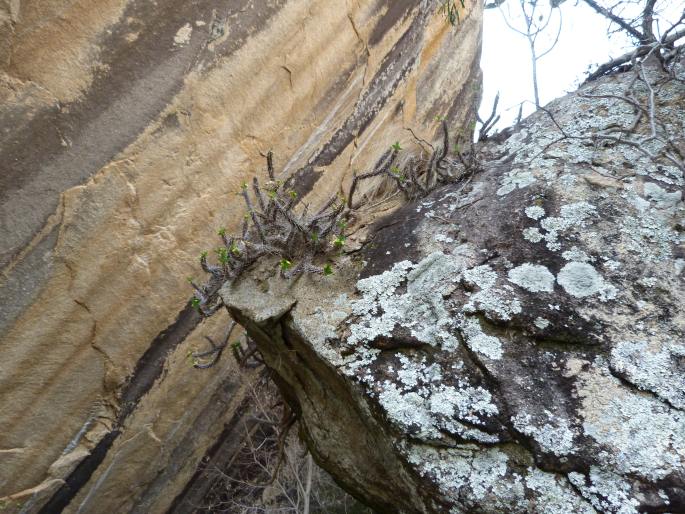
[
  {"x": 541, "y": 323},
  {"x": 535, "y": 212},
  {"x": 640, "y": 435},
  {"x": 533, "y": 235},
  {"x": 515, "y": 179},
  {"x": 661, "y": 198},
  {"x": 653, "y": 368},
  {"x": 576, "y": 254},
  {"x": 418, "y": 402},
  {"x": 408, "y": 410},
  {"x": 649, "y": 237},
  {"x": 483, "y": 479},
  {"x": 554, "y": 495},
  {"x": 475, "y": 473},
  {"x": 483, "y": 277},
  {"x": 648, "y": 282},
  {"x": 532, "y": 277},
  {"x": 466, "y": 402},
  {"x": 553, "y": 434},
  {"x": 442, "y": 238},
  {"x": 479, "y": 341},
  {"x": 581, "y": 279},
  {"x": 611, "y": 264},
  {"x": 575, "y": 215},
  {"x": 421, "y": 308},
  {"x": 498, "y": 303},
  {"x": 679, "y": 266},
  {"x": 606, "y": 491},
  {"x": 571, "y": 216}
]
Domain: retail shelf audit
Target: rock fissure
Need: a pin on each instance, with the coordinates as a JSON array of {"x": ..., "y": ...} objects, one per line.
[
  {"x": 635, "y": 386},
  {"x": 148, "y": 369}
]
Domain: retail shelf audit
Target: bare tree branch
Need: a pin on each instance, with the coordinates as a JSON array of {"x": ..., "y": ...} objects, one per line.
[
  {"x": 616, "y": 19},
  {"x": 628, "y": 56}
]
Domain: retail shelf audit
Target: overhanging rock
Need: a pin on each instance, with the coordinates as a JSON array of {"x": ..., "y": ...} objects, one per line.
[{"x": 510, "y": 344}]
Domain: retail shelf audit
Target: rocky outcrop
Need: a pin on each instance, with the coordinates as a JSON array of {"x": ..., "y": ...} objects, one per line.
[
  {"x": 126, "y": 129},
  {"x": 511, "y": 343}
]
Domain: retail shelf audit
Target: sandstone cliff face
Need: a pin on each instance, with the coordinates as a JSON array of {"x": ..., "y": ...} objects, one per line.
[
  {"x": 514, "y": 343},
  {"x": 126, "y": 129}
]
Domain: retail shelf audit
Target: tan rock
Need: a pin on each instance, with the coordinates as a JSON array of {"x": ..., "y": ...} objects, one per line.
[{"x": 124, "y": 150}]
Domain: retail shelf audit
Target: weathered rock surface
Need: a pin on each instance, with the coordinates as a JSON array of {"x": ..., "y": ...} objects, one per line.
[
  {"x": 126, "y": 127},
  {"x": 513, "y": 344}
]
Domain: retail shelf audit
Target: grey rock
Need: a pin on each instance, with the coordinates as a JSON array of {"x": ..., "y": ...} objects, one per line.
[{"x": 479, "y": 369}]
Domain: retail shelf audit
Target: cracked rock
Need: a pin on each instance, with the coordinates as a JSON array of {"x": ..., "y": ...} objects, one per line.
[{"x": 538, "y": 349}]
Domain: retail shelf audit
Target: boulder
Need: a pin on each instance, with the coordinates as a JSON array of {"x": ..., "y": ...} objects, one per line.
[{"x": 512, "y": 342}]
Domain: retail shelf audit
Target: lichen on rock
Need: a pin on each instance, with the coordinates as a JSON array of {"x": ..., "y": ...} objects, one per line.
[
  {"x": 521, "y": 351},
  {"x": 532, "y": 277},
  {"x": 581, "y": 279}
]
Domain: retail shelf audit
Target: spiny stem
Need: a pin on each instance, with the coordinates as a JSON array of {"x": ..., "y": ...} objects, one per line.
[
  {"x": 270, "y": 164},
  {"x": 251, "y": 211},
  {"x": 258, "y": 194}
]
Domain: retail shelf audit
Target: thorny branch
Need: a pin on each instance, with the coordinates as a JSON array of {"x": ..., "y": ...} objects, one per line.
[
  {"x": 664, "y": 44},
  {"x": 275, "y": 224},
  {"x": 607, "y": 13},
  {"x": 214, "y": 353},
  {"x": 490, "y": 122},
  {"x": 642, "y": 29},
  {"x": 641, "y": 95}
]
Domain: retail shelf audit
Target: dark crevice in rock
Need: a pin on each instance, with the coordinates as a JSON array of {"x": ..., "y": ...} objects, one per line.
[
  {"x": 396, "y": 65},
  {"x": 80, "y": 476},
  {"x": 148, "y": 369},
  {"x": 218, "y": 456},
  {"x": 305, "y": 179},
  {"x": 631, "y": 385},
  {"x": 150, "y": 365},
  {"x": 395, "y": 11}
]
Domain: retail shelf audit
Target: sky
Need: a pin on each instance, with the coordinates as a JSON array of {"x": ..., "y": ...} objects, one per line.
[{"x": 583, "y": 42}]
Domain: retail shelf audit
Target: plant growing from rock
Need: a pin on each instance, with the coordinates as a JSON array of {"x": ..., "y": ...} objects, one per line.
[
  {"x": 418, "y": 177},
  {"x": 278, "y": 225},
  {"x": 450, "y": 11}
]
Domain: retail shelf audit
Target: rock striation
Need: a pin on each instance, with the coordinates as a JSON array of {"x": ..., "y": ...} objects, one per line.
[
  {"x": 126, "y": 127},
  {"x": 510, "y": 343}
]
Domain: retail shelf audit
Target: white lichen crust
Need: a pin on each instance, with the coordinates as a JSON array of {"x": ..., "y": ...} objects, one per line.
[
  {"x": 525, "y": 351},
  {"x": 619, "y": 410},
  {"x": 532, "y": 277}
]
